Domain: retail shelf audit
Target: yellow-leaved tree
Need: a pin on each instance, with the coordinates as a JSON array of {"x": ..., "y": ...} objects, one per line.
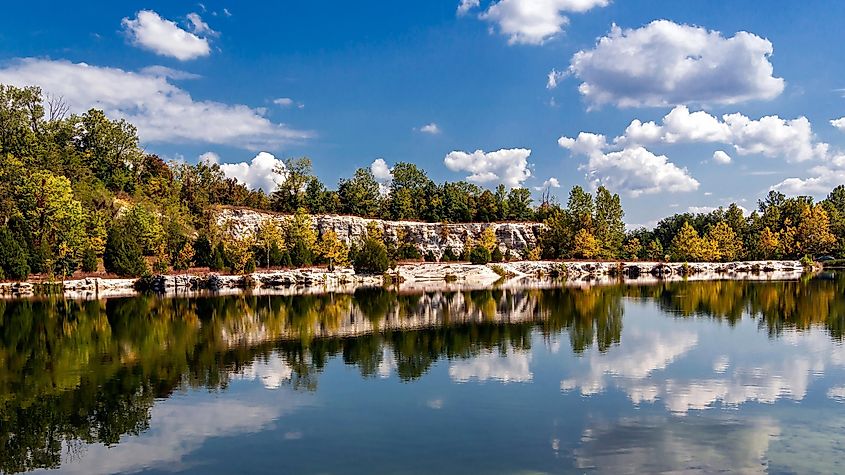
[
  {"x": 687, "y": 245},
  {"x": 726, "y": 245},
  {"x": 813, "y": 236},
  {"x": 488, "y": 239},
  {"x": 332, "y": 250},
  {"x": 769, "y": 243},
  {"x": 585, "y": 245}
]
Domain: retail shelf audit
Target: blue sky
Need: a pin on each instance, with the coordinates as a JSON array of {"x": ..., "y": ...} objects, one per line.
[{"x": 347, "y": 83}]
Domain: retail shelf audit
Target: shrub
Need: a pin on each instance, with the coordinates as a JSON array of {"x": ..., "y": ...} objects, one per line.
[
  {"x": 430, "y": 257},
  {"x": 203, "y": 252},
  {"x": 123, "y": 255},
  {"x": 277, "y": 257},
  {"x": 89, "y": 260},
  {"x": 13, "y": 258},
  {"x": 806, "y": 262},
  {"x": 301, "y": 254},
  {"x": 499, "y": 270},
  {"x": 217, "y": 261},
  {"x": 371, "y": 258},
  {"x": 496, "y": 255},
  {"x": 448, "y": 255},
  {"x": 479, "y": 255}
]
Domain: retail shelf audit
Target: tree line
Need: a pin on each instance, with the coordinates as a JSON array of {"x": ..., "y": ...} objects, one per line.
[{"x": 78, "y": 192}]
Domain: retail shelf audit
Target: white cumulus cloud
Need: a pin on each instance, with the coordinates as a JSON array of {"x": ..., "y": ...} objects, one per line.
[
  {"x": 633, "y": 169},
  {"x": 164, "y": 37},
  {"x": 719, "y": 156},
  {"x": 507, "y": 166},
  {"x": 259, "y": 173},
  {"x": 161, "y": 111},
  {"x": 380, "y": 170},
  {"x": 532, "y": 21},
  {"x": 550, "y": 183},
  {"x": 665, "y": 63},
  {"x": 839, "y": 123},
  {"x": 771, "y": 136}
]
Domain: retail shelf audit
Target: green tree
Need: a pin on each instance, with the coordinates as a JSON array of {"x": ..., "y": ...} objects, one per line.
[
  {"x": 609, "y": 229},
  {"x": 408, "y": 185},
  {"x": 359, "y": 195},
  {"x": 300, "y": 238},
  {"x": 123, "y": 254},
  {"x": 54, "y": 218},
  {"x": 371, "y": 258},
  {"x": 518, "y": 205},
  {"x": 13, "y": 257},
  {"x": 479, "y": 255},
  {"x": 295, "y": 175}
]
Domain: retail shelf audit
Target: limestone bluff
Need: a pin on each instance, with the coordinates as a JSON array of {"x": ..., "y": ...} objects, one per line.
[{"x": 518, "y": 238}]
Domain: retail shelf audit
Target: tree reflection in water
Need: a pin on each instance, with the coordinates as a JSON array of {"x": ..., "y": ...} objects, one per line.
[{"x": 82, "y": 372}]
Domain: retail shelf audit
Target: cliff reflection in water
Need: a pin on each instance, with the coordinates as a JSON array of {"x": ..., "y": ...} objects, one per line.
[{"x": 81, "y": 372}]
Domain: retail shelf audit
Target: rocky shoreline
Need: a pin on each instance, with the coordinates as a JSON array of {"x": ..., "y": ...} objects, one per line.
[{"x": 415, "y": 276}]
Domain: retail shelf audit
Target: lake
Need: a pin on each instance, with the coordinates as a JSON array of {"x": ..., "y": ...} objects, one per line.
[{"x": 624, "y": 378}]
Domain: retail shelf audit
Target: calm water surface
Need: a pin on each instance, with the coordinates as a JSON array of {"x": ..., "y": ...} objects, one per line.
[{"x": 683, "y": 377}]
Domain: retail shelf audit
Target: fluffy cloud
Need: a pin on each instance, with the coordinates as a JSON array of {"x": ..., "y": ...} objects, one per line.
[
  {"x": 633, "y": 169},
  {"x": 283, "y": 101},
  {"x": 719, "y": 156},
  {"x": 531, "y": 21},
  {"x": 380, "y": 170},
  {"x": 161, "y": 111},
  {"x": 431, "y": 128},
  {"x": 839, "y": 123},
  {"x": 210, "y": 158},
  {"x": 507, "y": 166},
  {"x": 665, "y": 63},
  {"x": 550, "y": 183},
  {"x": 163, "y": 37},
  {"x": 823, "y": 179},
  {"x": 770, "y": 136},
  {"x": 260, "y": 172}
]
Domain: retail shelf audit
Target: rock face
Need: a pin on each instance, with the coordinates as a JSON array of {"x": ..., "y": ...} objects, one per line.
[{"x": 517, "y": 238}]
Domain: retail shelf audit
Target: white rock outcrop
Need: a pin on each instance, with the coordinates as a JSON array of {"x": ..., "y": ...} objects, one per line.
[{"x": 518, "y": 238}]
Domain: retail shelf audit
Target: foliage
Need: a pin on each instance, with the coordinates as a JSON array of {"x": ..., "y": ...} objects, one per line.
[
  {"x": 479, "y": 255},
  {"x": 332, "y": 250},
  {"x": 14, "y": 258},
  {"x": 728, "y": 246},
  {"x": 89, "y": 260},
  {"x": 123, "y": 254},
  {"x": 496, "y": 255},
  {"x": 371, "y": 258}
]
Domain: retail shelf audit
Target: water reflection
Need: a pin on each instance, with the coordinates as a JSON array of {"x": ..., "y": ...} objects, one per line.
[{"x": 79, "y": 376}]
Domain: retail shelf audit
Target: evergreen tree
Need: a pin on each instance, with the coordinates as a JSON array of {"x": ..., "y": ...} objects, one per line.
[
  {"x": 89, "y": 260},
  {"x": 13, "y": 257},
  {"x": 123, "y": 254},
  {"x": 479, "y": 255},
  {"x": 371, "y": 258}
]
